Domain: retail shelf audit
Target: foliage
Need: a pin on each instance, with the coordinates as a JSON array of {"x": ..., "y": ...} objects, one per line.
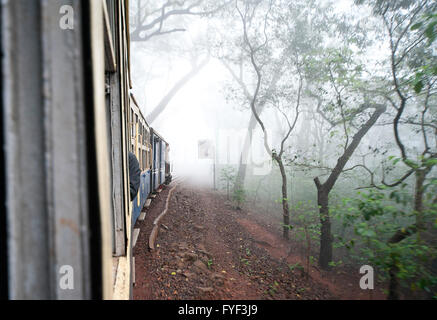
[
  {"x": 427, "y": 25},
  {"x": 375, "y": 216},
  {"x": 238, "y": 196},
  {"x": 233, "y": 190}
]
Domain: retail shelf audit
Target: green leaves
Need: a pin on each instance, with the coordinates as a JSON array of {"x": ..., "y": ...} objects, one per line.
[
  {"x": 428, "y": 25},
  {"x": 289, "y": 226},
  {"x": 363, "y": 230}
]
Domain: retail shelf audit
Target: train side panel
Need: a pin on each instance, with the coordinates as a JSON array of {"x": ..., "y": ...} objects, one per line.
[{"x": 162, "y": 163}]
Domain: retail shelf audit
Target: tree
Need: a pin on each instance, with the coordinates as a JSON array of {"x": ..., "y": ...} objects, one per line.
[
  {"x": 411, "y": 102},
  {"x": 342, "y": 104},
  {"x": 259, "y": 53},
  {"x": 160, "y": 107},
  {"x": 151, "y": 20},
  {"x": 148, "y": 17}
]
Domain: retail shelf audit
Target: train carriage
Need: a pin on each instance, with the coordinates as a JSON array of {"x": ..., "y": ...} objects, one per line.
[
  {"x": 161, "y": 167},
  {"x": 69, "y": 123},
  {"x": 142, "y": 149}
]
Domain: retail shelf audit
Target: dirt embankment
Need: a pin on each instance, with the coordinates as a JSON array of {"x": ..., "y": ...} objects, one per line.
[{"x": 207, "y": 250}]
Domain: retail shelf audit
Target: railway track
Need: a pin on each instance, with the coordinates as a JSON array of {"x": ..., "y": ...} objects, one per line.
[{"x": 177, "y": 180}]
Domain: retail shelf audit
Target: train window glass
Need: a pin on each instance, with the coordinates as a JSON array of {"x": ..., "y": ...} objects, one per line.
[
  {"x": 139, "y": 158},
  {"x": 132, "y": 124},
  {"x": 148, "y": 159}
]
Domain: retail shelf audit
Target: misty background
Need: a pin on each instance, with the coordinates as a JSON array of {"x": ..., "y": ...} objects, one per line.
[{"x": 322, "y": 115}]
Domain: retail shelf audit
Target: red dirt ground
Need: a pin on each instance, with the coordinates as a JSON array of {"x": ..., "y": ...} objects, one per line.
[{"x": 208, "y": 250}]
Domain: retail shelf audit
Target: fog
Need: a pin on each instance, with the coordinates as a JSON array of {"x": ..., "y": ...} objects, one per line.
[
  {"x": 205, "y": 107},
  {"x": 211, "y": 104},
  {"x": 279, "y": 103}
]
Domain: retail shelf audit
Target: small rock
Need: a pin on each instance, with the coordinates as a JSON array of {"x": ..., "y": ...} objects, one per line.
[
  {"x": 217, "y": 276},
  {"x": 206, "y": 253},
  {"x": 205, "y": 290},
  {"x": 183, "y": 246},
  {"x": 199, "y": 265},
  {"x": 198, "y": 227},
  {"x": 190, "y": 256},
  {"x": 188, "y": 274}
]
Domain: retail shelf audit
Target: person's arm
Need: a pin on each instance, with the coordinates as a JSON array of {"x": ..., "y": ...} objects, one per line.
[{"x": 134, "y": 175}]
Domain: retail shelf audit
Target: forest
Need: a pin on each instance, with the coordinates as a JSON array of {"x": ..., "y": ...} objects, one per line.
[{"x": 338, "y": 99}]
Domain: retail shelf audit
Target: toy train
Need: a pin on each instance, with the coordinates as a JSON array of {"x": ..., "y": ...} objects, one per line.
[
  {"x": 68, "y": 123},
  {"x": 152, "y": 152}
]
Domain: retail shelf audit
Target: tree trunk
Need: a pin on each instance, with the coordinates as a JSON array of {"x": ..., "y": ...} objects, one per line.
[
  {"x": 173, "y": 91},
  {"x": 326, "y": 237},
  {"x": 394, "y": 282},
  {"x": 241, "y": 174},
  {"x": 244, "y": 157},
  {"x": 285, "y": 207},
  {"x": 418, "y": 198},
  {"x": 323, "y": 190}
]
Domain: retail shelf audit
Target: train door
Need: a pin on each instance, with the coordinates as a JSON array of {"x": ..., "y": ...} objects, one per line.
[
  {"x": 162, "y": 163},
  {"x": 156, "y": 162}
]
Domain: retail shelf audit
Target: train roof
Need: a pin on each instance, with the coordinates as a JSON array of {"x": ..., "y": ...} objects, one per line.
[
  {"x": 139, "y": 109},
  {"x": 153, "y": 131},
  {"x": 158, "y": 135}
]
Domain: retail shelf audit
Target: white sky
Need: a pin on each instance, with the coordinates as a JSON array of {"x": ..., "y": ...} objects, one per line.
[{"x": 198, "y": 109}]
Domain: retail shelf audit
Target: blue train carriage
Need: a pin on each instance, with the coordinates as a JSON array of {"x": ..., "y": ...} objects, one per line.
[
  {"x": 140, "y": 146},
  {"x": 168, "y": 175},
  {"x": 161, "y": 172}
]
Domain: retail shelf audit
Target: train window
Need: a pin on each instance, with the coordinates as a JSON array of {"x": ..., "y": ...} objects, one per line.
[
  {"x": 148, "y": 158},
  {"x": 139, "y": 158},
  {"x": 132, "y": 124}
]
